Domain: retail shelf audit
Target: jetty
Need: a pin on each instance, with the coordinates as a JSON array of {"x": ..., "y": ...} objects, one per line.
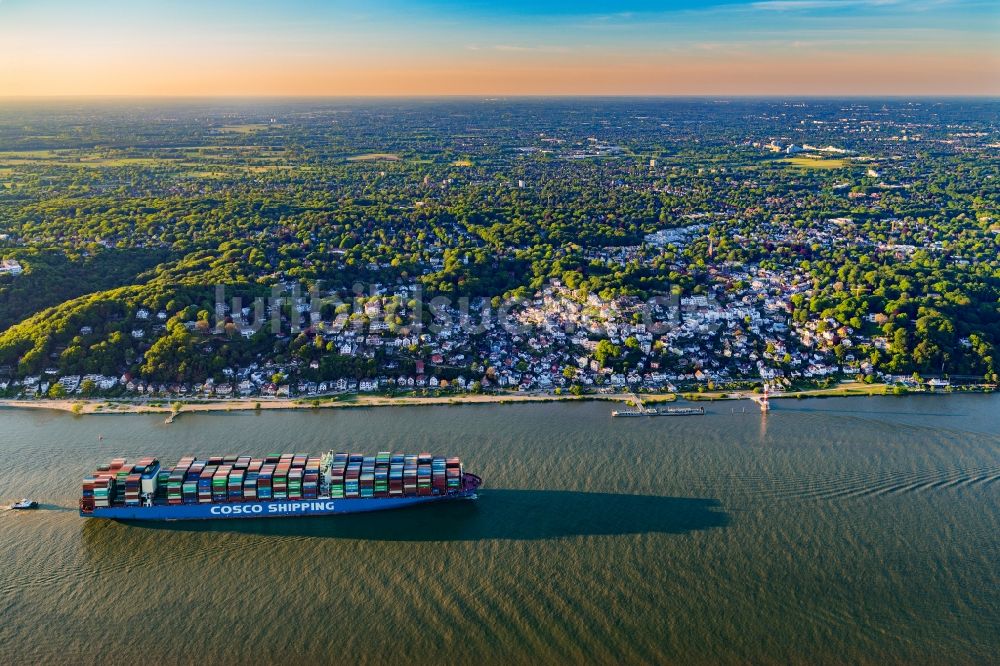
[
  {"x": 679, "y": 411},
  {"x": 642, "y": 410},
  {"x": 629, "y": 412}
]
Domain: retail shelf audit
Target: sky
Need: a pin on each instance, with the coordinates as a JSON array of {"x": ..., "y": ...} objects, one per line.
[{"x": 498, "y": 47}]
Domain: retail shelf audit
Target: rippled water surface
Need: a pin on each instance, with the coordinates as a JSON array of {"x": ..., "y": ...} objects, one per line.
[{"x": 833, "y": 531}]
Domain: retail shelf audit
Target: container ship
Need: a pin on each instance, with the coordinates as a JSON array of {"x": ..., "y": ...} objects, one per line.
[{"x": 274, "y": 486}]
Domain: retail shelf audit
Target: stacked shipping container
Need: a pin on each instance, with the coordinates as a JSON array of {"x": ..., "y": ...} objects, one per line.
[
  {"x": 230, "y": 479},
  {"x": 396, "y": 461},
  {"x": 338, "y": 473}
]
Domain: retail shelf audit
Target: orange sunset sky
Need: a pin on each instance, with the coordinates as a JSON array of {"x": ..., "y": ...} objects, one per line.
[{"x": 804, "y": 47}]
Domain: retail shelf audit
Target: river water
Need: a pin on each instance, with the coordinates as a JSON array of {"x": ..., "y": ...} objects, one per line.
[{"x": 851, "y": 530}]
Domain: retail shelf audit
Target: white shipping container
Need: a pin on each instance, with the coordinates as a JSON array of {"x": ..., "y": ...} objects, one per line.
[{"x": 149, "y": 485}]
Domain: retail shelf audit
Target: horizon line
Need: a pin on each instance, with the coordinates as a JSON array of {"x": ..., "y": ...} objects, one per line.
[{"x": 491, "y": 96}]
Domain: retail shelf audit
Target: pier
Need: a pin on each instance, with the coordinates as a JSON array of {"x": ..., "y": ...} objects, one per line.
[{"x": 642, "y": 410}]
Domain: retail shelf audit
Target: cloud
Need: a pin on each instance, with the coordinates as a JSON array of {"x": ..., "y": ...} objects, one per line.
[
  {"x": 802, "y": 5},
  {"x": 531, "y": 49}
]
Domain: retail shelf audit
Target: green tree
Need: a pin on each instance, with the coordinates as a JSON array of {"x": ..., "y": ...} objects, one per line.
[{"x": 605, "y": 351}]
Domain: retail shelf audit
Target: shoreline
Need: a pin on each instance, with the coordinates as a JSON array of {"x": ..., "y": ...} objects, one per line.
[{"x": 87, "y": 406}]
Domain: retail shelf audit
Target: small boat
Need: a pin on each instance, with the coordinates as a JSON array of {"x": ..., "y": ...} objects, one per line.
[{"x": 25, "y": 504}]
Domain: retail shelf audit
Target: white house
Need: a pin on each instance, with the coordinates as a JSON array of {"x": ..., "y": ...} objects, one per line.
[{"x": 10, "y": 267}]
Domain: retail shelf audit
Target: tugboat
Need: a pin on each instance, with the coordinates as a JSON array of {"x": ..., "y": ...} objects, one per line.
[{"x": 24, "y": 504}]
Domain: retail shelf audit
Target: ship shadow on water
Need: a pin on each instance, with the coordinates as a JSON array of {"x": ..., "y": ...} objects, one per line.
[{"x": 497, "y": 514}]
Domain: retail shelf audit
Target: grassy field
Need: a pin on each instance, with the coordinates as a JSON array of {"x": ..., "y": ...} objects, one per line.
[
  {"x": 807, "y": 162},
  {"x": 842, "y": 389},
  {"x": 371, "y": 157},
  {"x": 247, "y": 128},
  {"x": 51, "y": 158},
  {"x": 28, "y": 154},
  {"x": 118, "y": 161},
  {"x": 211, "y": 159},
  {"x": 206, "y": 174}
]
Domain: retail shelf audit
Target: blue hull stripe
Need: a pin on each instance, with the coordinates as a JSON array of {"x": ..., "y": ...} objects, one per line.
[{"x": 268, "y": 509}]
